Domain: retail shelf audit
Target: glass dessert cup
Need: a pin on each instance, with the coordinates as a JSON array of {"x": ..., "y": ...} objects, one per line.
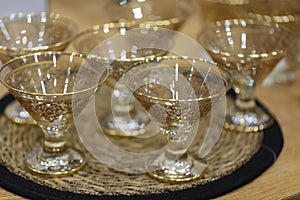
[
  {"x": 176, "y": 92},
  {"x": 141, "y": 14},
  {"x": 287, "y": 13},
  {"x": 24, "y": 33},
  {"x": 150, "y": 13},
  {"x": 251, "y": 49},
  {"x": 52, "y": 86},
  {"x": 99, "y": 41}
]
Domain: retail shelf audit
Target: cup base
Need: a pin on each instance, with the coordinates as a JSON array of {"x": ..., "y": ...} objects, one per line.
[
  {"x": 253, "y": 120},
  {"x": 180, "y": 170},
  {"x": 16, "y": 113},
  {"x": 54, "y": 164},
  {"x": 124, "y": 126}
]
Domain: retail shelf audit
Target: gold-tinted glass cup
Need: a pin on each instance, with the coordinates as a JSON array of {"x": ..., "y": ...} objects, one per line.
[
  {"x": 177, "y": 92},
  {"x": 287, "y": 13},
  {"x": 150, "y": 13},
  {"x": 51, "y": 86},
  {"x": 251, "y": 49},
  {"x": 100, "y": 40},
  {"x": 23, "y": 33}
]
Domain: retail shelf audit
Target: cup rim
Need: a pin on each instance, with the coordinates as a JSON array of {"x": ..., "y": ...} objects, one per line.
[
  {"x": 48, "y": 15},
  {"x": 99, "y": 27},
  {"x": 89, "y": 57},
  {"x": 211, "y": 98},
  {"x": 186, "y": 6},
  {"x": 238, "y": 21}
]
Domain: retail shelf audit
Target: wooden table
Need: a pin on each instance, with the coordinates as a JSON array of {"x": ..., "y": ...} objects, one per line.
[{"x": 282, "y": 179}]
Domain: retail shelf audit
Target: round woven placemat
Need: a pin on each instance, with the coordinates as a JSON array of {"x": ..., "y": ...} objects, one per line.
[{"x": 236, "y": 159}]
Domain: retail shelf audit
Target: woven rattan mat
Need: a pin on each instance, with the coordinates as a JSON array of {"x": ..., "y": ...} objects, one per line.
[{"x": 253, "y": 151}]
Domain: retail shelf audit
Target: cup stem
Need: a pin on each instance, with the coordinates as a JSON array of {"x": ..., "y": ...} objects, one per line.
[
  {"x": 244, "y": 86},
  {"x": 177, "y": 145},
  {"x": 55, "y": 158},
  {"x": 54, "y": 141},
  {"x": 177, "y": 165},
  {"x": 245, "y": 103},
  {"x": 126, "y": 119},
  {"x": 245, "y": 115}
]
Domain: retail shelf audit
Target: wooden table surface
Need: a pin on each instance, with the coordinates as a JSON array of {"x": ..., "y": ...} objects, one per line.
[{"x": 282, "y": 179}]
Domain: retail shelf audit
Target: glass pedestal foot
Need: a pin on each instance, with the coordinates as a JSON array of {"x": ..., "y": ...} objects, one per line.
[
  {"x": 54, "y": 164},
  {"x": 124, "y": 126},
  {"x": 16, "y": 113},
  {"x": 253, "y": 120},
  {"x": 181, "y": 170}
]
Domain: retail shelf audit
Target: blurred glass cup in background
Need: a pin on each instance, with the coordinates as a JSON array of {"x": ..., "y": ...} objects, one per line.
[
  {"x": 218, "y": 10},
  {"x": 285, "y": 12},
  {"x": 149, "y": 13}
]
